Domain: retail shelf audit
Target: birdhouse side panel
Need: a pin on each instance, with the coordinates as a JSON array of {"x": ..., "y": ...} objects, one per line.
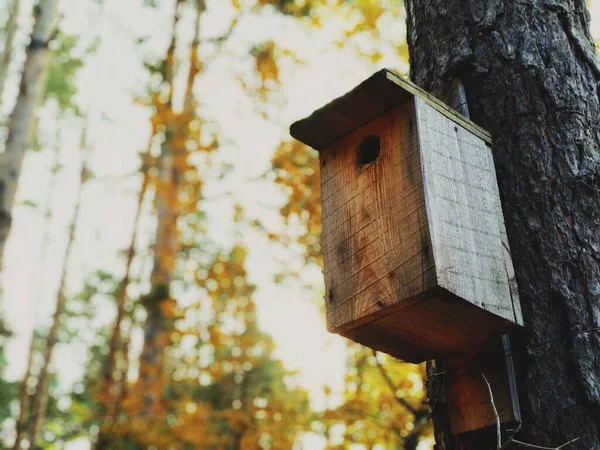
[
  {"x": 376, "y": 246},
  {"x": 466, "y": 222}
]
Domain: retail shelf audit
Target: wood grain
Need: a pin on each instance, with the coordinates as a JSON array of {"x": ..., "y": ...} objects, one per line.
[
  {"x": 375, "y": 223},
  {"x": 468, "y": 397},
  {"x": 463, "y": 206}
]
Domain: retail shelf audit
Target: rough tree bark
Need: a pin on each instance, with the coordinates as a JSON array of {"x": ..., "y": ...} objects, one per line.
[
  {"x": 22, "y": 119},
  {"x": 531, "y": 77}
]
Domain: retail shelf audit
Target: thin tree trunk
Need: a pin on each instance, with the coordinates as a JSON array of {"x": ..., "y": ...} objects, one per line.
[
  {"x": 165, "y": 245},
  {"x": 531, "y": 77},
  {"x": 106, "y": 440},
  {"x": 24, "y": 397},
  {"x": 22, "y": 119},
  {"x": 41, "y": 396},
  {"x": 168, "y": 185},
  {"x": 9, "y": 35},
  {"x": 115, "y": 340},
  {"x": 238, "y": 435},
  {"x": 108, "y": 383},
  {"x": 195, "y": 68},
  {"x": 172, "y": 166}
]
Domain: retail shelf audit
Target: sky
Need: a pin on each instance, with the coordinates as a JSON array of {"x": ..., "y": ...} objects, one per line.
[{"x": 118, "y": 128}]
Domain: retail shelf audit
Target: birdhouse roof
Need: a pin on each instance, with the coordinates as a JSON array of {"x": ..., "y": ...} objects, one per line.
[{"x": 373, "y": 97}]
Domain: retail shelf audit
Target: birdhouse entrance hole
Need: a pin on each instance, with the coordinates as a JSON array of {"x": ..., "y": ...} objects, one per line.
[{"x": 368, "y": 150}]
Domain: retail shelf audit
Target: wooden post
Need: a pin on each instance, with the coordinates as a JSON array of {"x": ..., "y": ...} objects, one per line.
[{"x": 469, "y": 398}]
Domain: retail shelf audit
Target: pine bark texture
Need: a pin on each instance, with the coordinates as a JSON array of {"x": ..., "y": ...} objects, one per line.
[
  {"x": 22, "y": 119},
  {"x": 531, "y": 76}
]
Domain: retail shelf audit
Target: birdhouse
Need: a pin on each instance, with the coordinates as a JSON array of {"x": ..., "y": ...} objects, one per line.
[{"x": 416, "y": 259}]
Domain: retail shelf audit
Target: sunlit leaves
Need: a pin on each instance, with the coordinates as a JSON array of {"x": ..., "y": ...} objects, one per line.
[
  {"x": 371, "y": 413},
  {"x": 371, "y": 11},
  {"x": 266, "y": 65},
  {"x": 296, "y": 170},
  {"x": 297, "y": 8},
  {"x": 63, "y": 68},
  {"x": 220, "y": 377},
  {"x": 206, "y": 365}
]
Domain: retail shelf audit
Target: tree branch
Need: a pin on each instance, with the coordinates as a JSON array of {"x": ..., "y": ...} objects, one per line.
[
  {"x": 226, "y": 35},
  {"x": 220, "y": 41},
  {"x": 494, "y": 409},
  {"x": 525, "y": 444},
  {"x": 512, "y": 440},
  {"x": 391, "y": 385}
]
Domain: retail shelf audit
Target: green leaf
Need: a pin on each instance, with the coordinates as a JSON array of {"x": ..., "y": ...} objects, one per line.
[
  {"x": 30, "y": 204},
  {"x": 63, "y": 68}
]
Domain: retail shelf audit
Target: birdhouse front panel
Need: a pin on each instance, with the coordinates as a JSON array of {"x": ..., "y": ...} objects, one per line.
[
  {"x": 376, "y": 244},
  {"x": 416, "y": 260}
]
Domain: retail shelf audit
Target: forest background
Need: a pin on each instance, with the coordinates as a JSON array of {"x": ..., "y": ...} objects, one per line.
[{"x": 170, "y": 111}]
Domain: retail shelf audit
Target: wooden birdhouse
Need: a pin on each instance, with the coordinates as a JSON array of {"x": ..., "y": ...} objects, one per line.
[{"x": 416, "y": 259}]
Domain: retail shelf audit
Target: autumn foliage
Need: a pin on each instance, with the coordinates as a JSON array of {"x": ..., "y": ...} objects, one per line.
[{"x": 182, "y": 363}]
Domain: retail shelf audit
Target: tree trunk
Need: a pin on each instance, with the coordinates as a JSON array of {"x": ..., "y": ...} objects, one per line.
[
  {"x": 156, "y": 328},
  {"x": 41, "y": 395},
  {"x": 110, "y": 385},
  {"x": 22, "y": 119},
  {"x": 531, "y": 77},
  {"x": 24, "y": 397},
  {"x": 9, "y": 35}
]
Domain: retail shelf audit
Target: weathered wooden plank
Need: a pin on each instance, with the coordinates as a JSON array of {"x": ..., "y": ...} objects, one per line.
[
  {"x": 380, "y": 297},
  {"x": 392, "y": 329},
  {"x": 375, "y": 223},
  {"x": 362, "y": 201},
  {"x": 439, "y": 106},
  {"x": 462, "y": 203},
  {"x": 372, "y": 98},
  {"x": 408, "y": 221},
  {"x": 376, "y": 268}
]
